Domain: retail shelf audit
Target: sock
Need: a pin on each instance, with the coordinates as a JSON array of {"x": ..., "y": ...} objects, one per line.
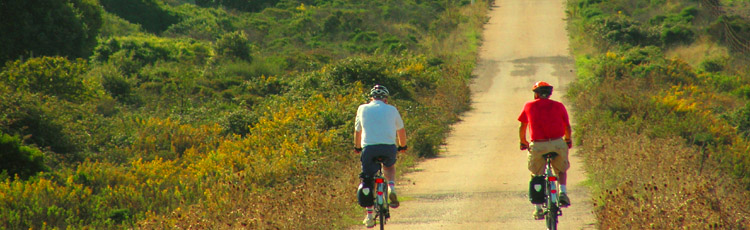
[
  {"x": 392, "y": 186},
  {"x": 369, "y": 212},
  {"x": 562, "y": 188},
  {"x": 538, "y": 206}
]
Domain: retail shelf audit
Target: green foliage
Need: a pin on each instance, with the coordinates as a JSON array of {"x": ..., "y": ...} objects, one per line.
[
  {"x": 220, "y": 105},
  {"x": 130, "y": 54},
  {"x": 202, "y": 23},
  {"x": 623, "y": 31},
  {"x": 119, "y": 87},
  {"x": 728, "y": 29},
  {"x": 53, "y": 76},
  {"x": 20, "y": 160},
  {"x": 57, "y": 28},
  {"x": 151, "y": 14},
  {"x": 115, "y": 26},
  {"x": 713, "y": 65},
  {"x": 29, "y": 116},
  {"x": 646, "y": 104},
  {"x": 676, "y": 28},
  {"x": 243, "y": 5},
  {"x": 234, "y": 45},
  {"x": 741, "y": 120},
  {"x": 240, "y": 122},
  {"x": 369, "y": 72}
]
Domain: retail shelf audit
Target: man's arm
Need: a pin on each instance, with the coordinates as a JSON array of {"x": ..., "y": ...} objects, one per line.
[
  {"x": 401, "y": 137},
  {"x": 358, "y": 139},
  {"x": 522, "y": 135},
  {"x": 567, "y": 137}
]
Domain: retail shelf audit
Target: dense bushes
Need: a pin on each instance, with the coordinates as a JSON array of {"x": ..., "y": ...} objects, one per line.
[
  {"x": 637, "y": 102},
  {"x": 244, "y": 5},
  {"x": 50, "y": 76},
  {"x": 56, "y": 28},
  {"x": 219, "y": 117},
  {"x": 151, "y": 14},
  {"x": 732, "y": 31},
  {"x": 234, "y": 45}
]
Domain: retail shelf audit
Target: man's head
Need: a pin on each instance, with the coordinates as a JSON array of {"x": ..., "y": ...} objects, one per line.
[
  {"x": 542, "y": 90},
  {"x": 379, "y": 92}
]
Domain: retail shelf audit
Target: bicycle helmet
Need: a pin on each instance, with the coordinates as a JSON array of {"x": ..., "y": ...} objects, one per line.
[
  {"x": 542, "y": 87},
  {"x": 379, "y": 92}
]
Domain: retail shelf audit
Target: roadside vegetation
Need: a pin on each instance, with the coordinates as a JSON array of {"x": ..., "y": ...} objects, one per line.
[
  {"x": 161, "y": 114},
  {"x": 661, "y": 104}
]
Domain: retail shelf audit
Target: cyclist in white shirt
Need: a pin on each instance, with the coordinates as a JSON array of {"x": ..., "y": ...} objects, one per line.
[{"x": 379, "y": 131}]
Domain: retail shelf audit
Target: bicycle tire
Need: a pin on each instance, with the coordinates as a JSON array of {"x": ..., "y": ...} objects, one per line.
[
  {"x": 551, "y": 217},
  {"x": 384, "y": 207}
]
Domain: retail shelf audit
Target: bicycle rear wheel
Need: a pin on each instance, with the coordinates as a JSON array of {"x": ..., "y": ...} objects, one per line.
[
  {"x": 382, "y": 220},
  {"x": 551, "y": 217},
  {"x": 384, "y": 208}
]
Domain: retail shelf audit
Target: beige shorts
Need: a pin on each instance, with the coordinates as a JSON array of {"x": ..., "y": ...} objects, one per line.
[{"x": 537, "y": 163}]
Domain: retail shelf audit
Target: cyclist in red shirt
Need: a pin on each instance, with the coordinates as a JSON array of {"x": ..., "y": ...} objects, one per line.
[{"x": 549, "y": 126}]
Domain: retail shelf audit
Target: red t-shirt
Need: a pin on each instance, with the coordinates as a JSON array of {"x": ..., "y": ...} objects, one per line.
[{"x": 546, "y": 118}]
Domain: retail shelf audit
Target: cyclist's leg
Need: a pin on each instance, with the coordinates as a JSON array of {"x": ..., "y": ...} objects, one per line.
[
  {"x": 537, "y": 163},
  {"x": 561, "y": 164},
  {"x": 369, "y": 168},
  {"x": 390, "y": 165}
]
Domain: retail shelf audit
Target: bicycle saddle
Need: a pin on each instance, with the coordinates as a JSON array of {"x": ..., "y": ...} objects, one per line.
[
  {"x": 380, "y": 159},
  {"x": 550, "y": 155}
]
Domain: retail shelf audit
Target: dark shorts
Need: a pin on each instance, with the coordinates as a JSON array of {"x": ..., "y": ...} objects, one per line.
[{"x": 369, "y": 167}]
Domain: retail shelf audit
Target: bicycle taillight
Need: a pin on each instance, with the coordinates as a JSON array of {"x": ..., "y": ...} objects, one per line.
[
  {"x": 552, "y": 179},
  {"x": 553, "y": 191},
  {"x": 378, "y": 180}
]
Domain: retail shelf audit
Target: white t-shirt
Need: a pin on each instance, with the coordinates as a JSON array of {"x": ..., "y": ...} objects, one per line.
[{"x": 378, "y": 122}]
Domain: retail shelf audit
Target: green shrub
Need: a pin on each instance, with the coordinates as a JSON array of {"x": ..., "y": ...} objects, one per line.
[
  {"x": 713, "y": 65},
  {"x": 234, "y": 45},
  {"x": 53, "y": 76},
  {"x": 151, "y": 14},
  {"x": 239, "y": 122},
  {"x": 120, "y": 88},
  {"x": 620, "y": 30},
  {"x": 115, "y": 26},
  {"x": 728, "y": 29},
  {"x": 741, "y": 120},
  {"x": 243, "y": 5},
  {"x": 18, "y": 159},
  {"x": 677, "y": 34},
  {"x": 202, "y": 23}
]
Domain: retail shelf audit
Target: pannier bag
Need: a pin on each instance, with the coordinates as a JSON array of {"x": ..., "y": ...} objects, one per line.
[
  {"x": 365, "y": 192},
  {"x": 536, "y": 190}
]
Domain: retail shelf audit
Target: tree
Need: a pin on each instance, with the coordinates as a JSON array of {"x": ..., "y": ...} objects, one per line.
[{"x": 65, "y": 28}]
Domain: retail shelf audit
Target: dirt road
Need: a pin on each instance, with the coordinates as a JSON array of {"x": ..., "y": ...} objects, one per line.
[{"x": 480, "y": 180}]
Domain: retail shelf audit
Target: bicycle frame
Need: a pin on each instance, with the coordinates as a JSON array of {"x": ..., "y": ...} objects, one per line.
[{"x": 552, "y": 207}]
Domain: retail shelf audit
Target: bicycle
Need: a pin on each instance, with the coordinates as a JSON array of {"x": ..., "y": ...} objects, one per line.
[
  {"x": 381, "y": 194},
  {"x": 551, "y": 206}
]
